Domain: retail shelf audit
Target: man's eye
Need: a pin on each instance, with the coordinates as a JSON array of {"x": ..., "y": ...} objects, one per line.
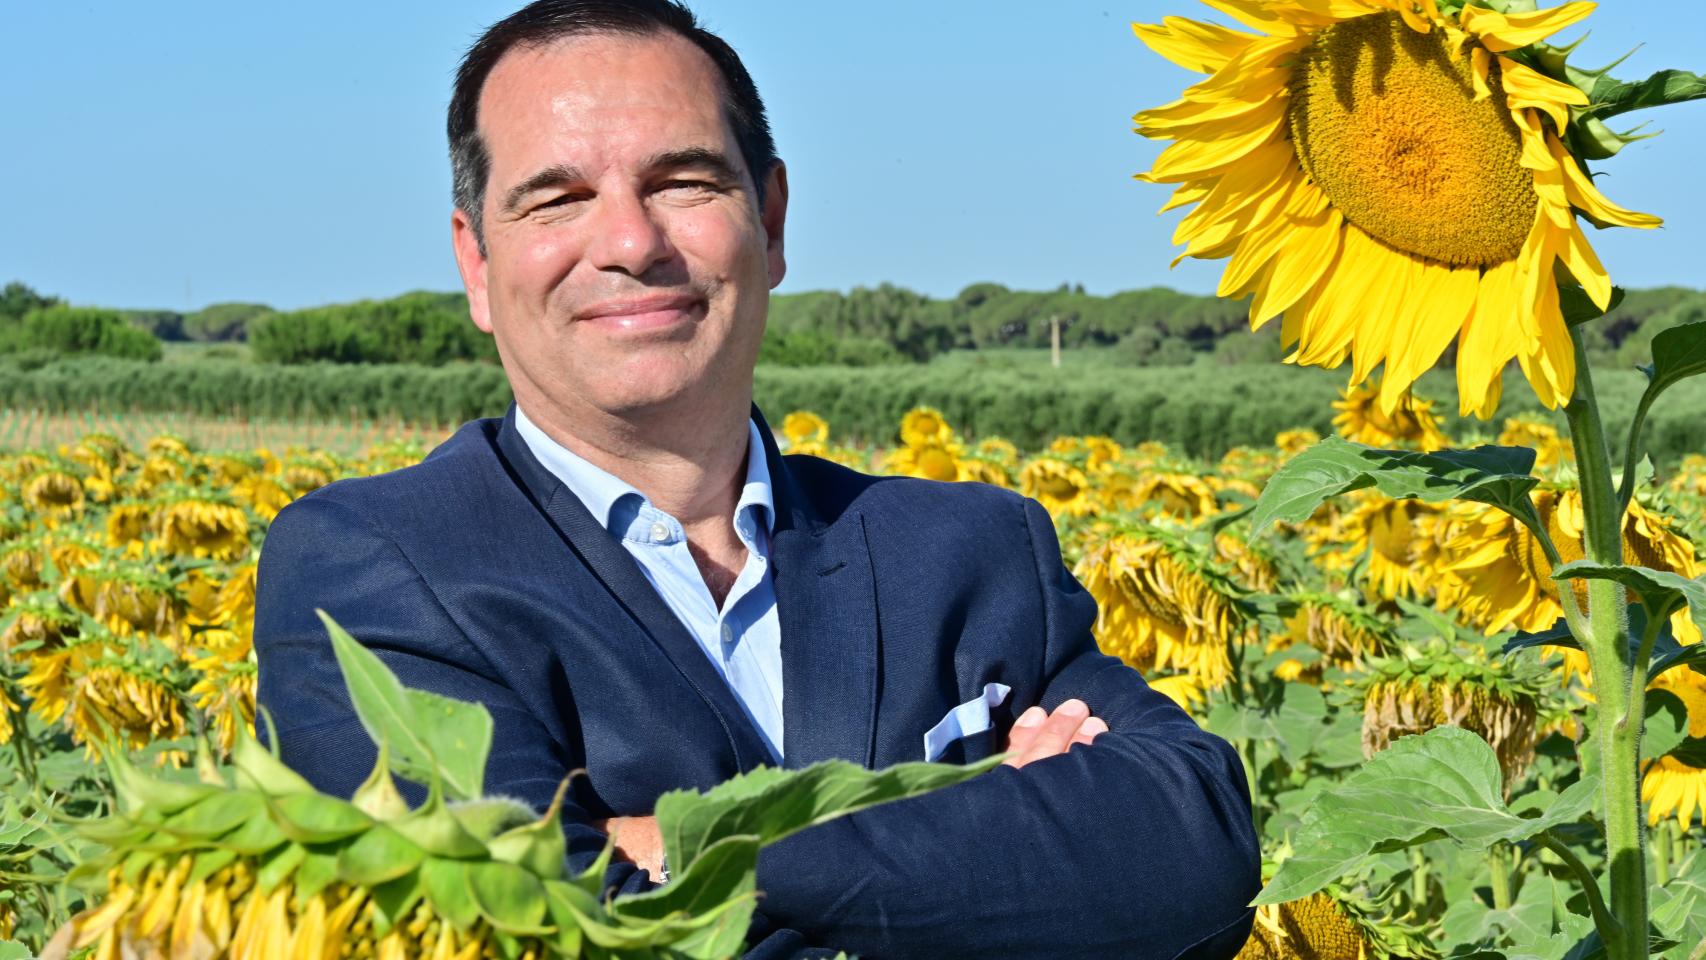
[{"x": 689, "y": 185}]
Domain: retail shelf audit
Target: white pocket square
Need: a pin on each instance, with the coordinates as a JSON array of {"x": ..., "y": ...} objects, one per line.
[{"x": 964, "y": 720}]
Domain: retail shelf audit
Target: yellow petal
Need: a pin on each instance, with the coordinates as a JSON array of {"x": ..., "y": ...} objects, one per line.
[
  {"x": 1203, "y": 47},
  {"x": 1442, "y": 304},
  {"x": 1501, "y": 32},
  {"x": 1314, "y": 250},
  {"x": 1490, "y": 338},
  {"x": 1582, "y": 194},
  {"x": 1277, "y": 18},
  {"x": 1189, "y": 159},
  {"x": 1527, "y": 89}
]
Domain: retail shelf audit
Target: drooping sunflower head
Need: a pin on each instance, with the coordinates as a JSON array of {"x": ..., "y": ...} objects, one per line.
[
  {"x": 1409, "y": 422},
  {"x": 54, "y": 493},
  {"x": 802, "y": 426},
  {"x": 1388, "y": 175},
  {"x": 1060, "y": 486},
  {"x": 1500, "y": 576},
  {"x": 1416, "y": 690},
  {"x": 999, "y": 449},
  {"x": 1342, "y": 633},
  {"x": 200, "y": 527},
  {"x": 1162, "y": 604}
]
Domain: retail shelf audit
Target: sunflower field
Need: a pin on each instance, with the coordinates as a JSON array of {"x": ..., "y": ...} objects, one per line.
[{"x": 127, "y": 682}]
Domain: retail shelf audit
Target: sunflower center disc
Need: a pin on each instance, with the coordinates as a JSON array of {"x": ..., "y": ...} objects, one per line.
[{"x": 1387, "y": 125}]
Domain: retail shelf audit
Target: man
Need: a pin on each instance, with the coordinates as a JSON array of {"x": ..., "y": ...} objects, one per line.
[{"x": 629, "y": 576}]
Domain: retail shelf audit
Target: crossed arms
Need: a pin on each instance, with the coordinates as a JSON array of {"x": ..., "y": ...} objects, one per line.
[{"x": 1138, "y": 847}]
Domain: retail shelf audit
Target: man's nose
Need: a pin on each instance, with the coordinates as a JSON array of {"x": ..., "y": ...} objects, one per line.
[{"x": 627, "y": 236}]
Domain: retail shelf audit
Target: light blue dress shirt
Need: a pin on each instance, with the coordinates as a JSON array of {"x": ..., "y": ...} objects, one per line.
[{"x": 743, "y": 638}]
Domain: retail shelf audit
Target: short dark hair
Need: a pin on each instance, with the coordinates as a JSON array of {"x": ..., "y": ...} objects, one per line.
[{"x": 545, "y": 21}]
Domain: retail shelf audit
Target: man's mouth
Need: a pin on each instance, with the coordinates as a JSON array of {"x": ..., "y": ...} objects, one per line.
[{"x": 641, "y": 313}]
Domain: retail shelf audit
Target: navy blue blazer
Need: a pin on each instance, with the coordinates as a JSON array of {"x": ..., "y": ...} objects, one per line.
[{"x": 478, "y": 575}]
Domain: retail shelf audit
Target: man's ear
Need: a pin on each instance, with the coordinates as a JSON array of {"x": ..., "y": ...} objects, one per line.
[
  {"x": 775, "y": 214},
  {"x": 472, "y": 265}
]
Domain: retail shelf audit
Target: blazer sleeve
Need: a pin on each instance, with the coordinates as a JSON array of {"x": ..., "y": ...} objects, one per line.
[
  {"x": 322, "y": 553},
  {"x": 1140, "y": 845}
]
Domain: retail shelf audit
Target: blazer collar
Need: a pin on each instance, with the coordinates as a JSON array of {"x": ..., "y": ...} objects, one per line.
[{"x": 826, "y": 608}]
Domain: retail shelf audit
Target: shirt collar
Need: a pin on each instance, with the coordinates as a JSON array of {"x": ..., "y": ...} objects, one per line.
[{"x": 599, "y": 489}]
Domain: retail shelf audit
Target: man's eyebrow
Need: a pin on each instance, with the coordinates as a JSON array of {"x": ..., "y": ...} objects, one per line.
[
  {"x": 550, "y": 176},
  {"x": 701, "y": 157}
]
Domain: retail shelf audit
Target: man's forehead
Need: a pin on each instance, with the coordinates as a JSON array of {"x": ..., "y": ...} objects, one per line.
[{"x": 586, "y": 81}]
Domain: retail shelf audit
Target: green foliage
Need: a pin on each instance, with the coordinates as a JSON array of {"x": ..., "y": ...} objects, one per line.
[
  {"x": 62, "y": 329},
  {"x": 224, "y": 321},
  {"x": 1493, "y": 475},
  {"x": 426, "y": 734},
  {"x": 416, "y": 328},
  {"x": 17, "y": 299},
  {"x": 1444, "y": 784}
]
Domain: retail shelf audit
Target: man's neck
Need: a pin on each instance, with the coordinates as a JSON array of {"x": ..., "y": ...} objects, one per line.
[{"x": 690, "y": 463}]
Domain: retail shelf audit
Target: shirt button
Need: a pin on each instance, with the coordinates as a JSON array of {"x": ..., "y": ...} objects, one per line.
[
  {"x": 660, "y": 532},
  {"x": 728, "y": 634}
]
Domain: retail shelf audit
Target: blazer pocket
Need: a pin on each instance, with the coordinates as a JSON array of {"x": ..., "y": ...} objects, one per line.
[{"x": 968, "y": 727}]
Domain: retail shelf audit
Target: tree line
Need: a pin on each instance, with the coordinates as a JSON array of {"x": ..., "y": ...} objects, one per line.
[{"x": 865, "y": 327}]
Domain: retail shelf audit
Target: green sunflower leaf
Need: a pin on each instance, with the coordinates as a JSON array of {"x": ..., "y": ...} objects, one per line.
[
  {"x": 1610, "y": 96},
  {"x": 1499, "y": 476},
  {"x": 430, "y": 737},
  {"x": 1444, "y": 784},
  {"x": 1662, "y": 592},
  {"x": 771, "y": 804},
  {"x": 1666, "y": 724},
  {"x": 1678, "y": 353}
]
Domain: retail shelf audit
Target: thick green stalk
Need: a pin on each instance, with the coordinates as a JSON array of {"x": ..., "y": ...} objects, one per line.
[
  {"x": 1617, "y": 725},
  {"x": 1500, "y": 872}
]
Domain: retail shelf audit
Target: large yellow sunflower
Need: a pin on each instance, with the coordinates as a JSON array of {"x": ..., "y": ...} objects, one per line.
[{"x": 1387, "y": 175}]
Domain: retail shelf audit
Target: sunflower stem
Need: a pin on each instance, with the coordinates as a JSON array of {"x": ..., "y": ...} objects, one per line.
[
  {"x": 1500, "y": 873},
  {"x": 1617, "y": 727}
]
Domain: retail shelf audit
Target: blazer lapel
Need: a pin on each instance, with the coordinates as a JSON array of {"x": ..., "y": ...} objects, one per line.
[
  {"x": 620, "y": 574},
  {"x": 826, "y": 606}
]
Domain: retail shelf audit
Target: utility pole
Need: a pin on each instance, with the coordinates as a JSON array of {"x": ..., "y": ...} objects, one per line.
[{"x": 1054, "y": 339}]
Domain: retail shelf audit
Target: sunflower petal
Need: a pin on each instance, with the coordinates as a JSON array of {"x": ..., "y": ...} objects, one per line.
[
  {"x": 1528, "y": 89},
  {"x": 1584, "y": 196},
  {"x": 1501, "y": 32},
  {"x": 1202, "y": 47}
]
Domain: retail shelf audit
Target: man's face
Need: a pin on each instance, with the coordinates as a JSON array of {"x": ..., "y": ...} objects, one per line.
[{"x": 627, "y": 267}]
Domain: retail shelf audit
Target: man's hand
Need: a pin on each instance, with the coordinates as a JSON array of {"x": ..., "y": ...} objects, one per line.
[
  {"x": 1038, "y": 733},
  {"x": 638, "y": 841}
]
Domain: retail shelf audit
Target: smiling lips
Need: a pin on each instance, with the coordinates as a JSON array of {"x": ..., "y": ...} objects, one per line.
[{"x": 641, "y": 313}]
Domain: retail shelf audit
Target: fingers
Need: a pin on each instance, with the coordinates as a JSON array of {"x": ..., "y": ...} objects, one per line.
[
  {"x": 1038, "y": 733},
  {"x": 1055, "y": 734},
  {"x": 1025, "y": 730},
  {"x": 1088, "y": 729}
]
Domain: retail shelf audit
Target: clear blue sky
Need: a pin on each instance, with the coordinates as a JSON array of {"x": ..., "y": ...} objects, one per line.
[{"x": 184, "y": 152}]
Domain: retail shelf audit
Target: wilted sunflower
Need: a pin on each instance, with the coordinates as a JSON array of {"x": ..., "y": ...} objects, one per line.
[
  {"x": 1409, "y": 422},
  {"x": 985, "y": 470},
  {"x": 1184, "y": 689},
  {"x": 129, "y": 523},
  {"x": 1341, "y": 633},
  {"x": 1415, "y": 691},
  {"x": 1387, "y": 175},
  {"x": 1180, "y": 495},
  {"x": 1000, "y": 450},
  {"x": 54, "y": 494},
  {"x": 803, "y": 426},
  {"x": 1502, "y": 579},
  {"x": 264, "y": 495},
  {"x": 198, "y": 527},
  {"x": 1399, "y": 537},
  {"x": 119, "y": 699},
  {"x": 1161, "y": 605},
  {"x": 1058, "y": 485}
]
